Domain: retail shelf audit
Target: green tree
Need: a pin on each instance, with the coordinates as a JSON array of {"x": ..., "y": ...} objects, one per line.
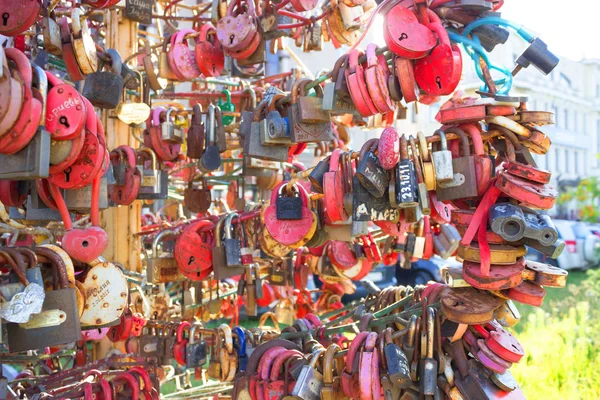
[{"x": 587, "y": 197}]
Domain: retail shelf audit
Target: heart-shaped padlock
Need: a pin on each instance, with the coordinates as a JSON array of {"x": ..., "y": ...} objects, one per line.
[
  {"x": 18, "y": 17},
  {"x": 165, "y": 150},
  {"x": 193, "y": 250},
  {"x": 237, "y": 28},
  {"x": 182, "y": 59},
  {"x": 65, "y": 110},
  {"x": 125, "y": 193},
  {"x": 405, "y": 36},
  {"x": 439, "y": 72},
  {"x": 209, "y": 52},
  {"x": 376, "y": 77}
]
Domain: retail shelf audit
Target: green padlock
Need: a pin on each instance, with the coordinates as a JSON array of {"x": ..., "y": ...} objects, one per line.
[{"x": 227, "y": 106}]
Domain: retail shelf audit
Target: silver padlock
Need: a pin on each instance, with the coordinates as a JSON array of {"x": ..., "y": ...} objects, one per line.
[
  {"x": 169, "y": 131},
  {"x": 151, "y": 186},
  {"x": 442, "y": 160},
  {"x": 310, "y": 381}
]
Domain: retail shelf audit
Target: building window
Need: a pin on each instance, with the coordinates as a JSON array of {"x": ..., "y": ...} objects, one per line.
[
  {"x": 576, "y": 121},
  {"x": 557, "y": 160},
  {"x": 566, "y": 123},
  {"x": 576, "y": 160},
  {"x": 557, "y": 117},
  {"x": 567, "y": 161}
]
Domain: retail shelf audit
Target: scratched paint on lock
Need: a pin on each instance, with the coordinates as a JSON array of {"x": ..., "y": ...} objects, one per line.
[
  {"x": 306, "y": 132},
  {"x": 106, "y": 294}
]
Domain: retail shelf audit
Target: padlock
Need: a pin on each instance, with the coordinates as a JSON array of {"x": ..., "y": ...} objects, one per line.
[
  {"x": 209, "y": 53},
  {"x": 211, "y": 157},
  {"x": 233, "y": 257},
  {"x": 196, "y": 349},
  {"x": 17, "y": 18},
  {"x": 33, "y": 161},
  {"x": 193, "y": 251},
  {"x": 428, "y": 365},
  {"x": 23, "y": 298},
  {"x": 134, "y": 113},
  {"x": 104, "y": 88},
  {"x": 196, "y": 134},
  {"x": 446, "y": 242},
  {"x": 274, "y": 130},
  {"x": 370, "y": 174},
  {"x": 219, "y": 259},
  {"x": 162, "y": 269},
  {"x": 181, "y": 57},
  {"x": 83, "y": 46},
  {"x": 253, "y": 145},
  {"x": 153, "y": 181},
  {"x": 442, "y": 160},
  {"x": 406, "y": 180},
  {"x": 238, "y": 28},
  {"x": 289, "y": 207},
  {"x": 388, "y": 148},
  {"x": 197, "y": 200},
  {"x": 59, "y": 305},
  {"x": 150, "y": 344},
  {"x": 164, "y": 67},
  {"x": 397, "y": 362},
  {"x": 310, "y": 381},
  {"x": 464, "y": 183},
  {"x": 308, "y": 121},
  {"x": 170, "y": 132},
  {"x": 405, "y": 36}
]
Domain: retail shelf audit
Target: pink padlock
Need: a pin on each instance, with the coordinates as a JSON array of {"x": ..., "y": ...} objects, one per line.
[
  {"x": 165, "y": 151},
  {"x": 182, "y": 59},
  {"x": 388, "y": 148},
  {"x": 238, "y": 27}
]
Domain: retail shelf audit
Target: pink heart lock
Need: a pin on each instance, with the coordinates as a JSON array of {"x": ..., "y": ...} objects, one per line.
[
  {"x": 181, "y": 58},
  {"x": 84, "y": 245},
  {"x": 388, "y": 148}
]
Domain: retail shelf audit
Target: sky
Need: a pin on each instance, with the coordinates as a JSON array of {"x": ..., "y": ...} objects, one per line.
[{"x": 569, "y": 28}]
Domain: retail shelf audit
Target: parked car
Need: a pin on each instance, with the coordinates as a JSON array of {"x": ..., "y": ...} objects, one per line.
[{"x": 582, "y": 245}]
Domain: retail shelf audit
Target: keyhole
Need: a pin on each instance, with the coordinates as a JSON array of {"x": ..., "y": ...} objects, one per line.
[
  {"x": 214, "y": 68},
  {"x": 438, "y": 80},
  {"x": 63, "y": 120},
  {"x": 191, "y": 260},
  {"x": 402, "y": 37},
  {"x": 85, "y": 243},
  {"x": 120, "y": 193},
  {"x": 5, "y": 18},
  {"x": 231, "y": 38},
  {"x": 67, "y": 174}
]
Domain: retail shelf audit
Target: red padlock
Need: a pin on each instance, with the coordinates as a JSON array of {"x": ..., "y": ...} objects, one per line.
[
  {"x": 288, "y": 232},
  {"x": 126, "y": 193},
  {"x": 66, "y": 111},
  {"x": 237, "y": 28},
  {"x": 439, "y": 72},
  {"x": 193, "y": 250},
  {"x": 179, "y": 352},
  {"x": 405, "y": 36},
  {"x": 18, "y": 17},
  {"x": 406, "y": 75},
  {"x": 209, "y": 52}
]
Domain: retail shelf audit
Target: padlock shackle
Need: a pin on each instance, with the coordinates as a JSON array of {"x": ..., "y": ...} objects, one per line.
[
  {"x": 158, "y": 238},
  {"x": 151, "y": 155},
  {"x": 228, "y": 224},
  {"x": 465, "y": 148}
]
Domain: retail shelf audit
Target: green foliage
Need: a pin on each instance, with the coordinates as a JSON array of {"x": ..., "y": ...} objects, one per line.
[
  {"x": 587, "y": 197},
  {"x": 562, "y": 344}
]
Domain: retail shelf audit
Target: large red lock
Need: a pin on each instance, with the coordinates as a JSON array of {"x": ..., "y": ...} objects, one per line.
[
  {"x": 289, "y": 232},
  {"x": 439, "y": 72},
  {"x": 179, "y": 352},
  {"x": 17, "y": 17},
  {"x": 193, "y": 251},
  {"x": 405, "y": 35},
  {"x": 237, "y": 28},
  {"x": 209, "y": 52},
  {"x": 181, "y": 58},
  {"x": 65, "y": 110},
  {"x": 89, "y": 162}
]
